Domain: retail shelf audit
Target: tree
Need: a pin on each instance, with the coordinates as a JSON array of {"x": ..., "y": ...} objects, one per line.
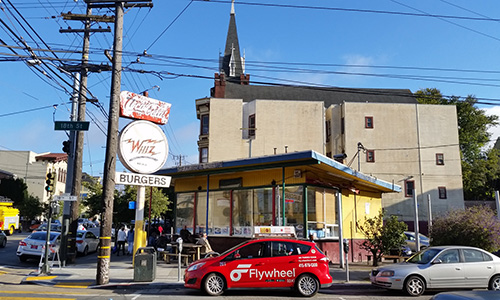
[
  {"x": 29, "y": 206},
  {"x": 480, "y": 167},
  {"x": 381, "y": 237},
  {"x": 477, "y": 226}
]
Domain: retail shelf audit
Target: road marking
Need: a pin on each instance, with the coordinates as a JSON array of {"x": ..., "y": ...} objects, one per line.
[
  {"x": 76, "y": 285},
  {"x": 38, "y": 298},
  {"x": 40, "y": 278}
]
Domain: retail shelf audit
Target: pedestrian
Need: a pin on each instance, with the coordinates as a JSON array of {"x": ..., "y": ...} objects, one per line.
[
  {"x": 204, "y": 242},
  {"x": 121, "y": 239},
  {"x": 130, "y": 240}
]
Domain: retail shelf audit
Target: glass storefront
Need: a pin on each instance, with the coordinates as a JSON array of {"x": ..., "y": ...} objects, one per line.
[{"x": 235, "y": 212}]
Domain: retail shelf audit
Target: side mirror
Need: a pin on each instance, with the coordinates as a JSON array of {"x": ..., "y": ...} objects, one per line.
[{"x": 437, "y": 262}]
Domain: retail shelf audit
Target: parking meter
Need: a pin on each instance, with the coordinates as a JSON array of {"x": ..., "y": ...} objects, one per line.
[
  {"x": 179, "y": 242},
  {"x": 346, "y": 246},
  {"x": 346, "y": 251}
]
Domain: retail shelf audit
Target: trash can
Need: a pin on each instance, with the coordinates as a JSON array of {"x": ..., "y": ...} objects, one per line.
[{"x": 145, "y": 264}]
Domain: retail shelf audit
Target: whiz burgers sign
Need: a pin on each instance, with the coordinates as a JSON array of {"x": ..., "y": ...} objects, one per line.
[{"x": 142, "y": 146}]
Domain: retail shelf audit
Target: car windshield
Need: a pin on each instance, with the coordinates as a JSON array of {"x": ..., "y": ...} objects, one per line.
[
  {"x": 423, "y": 257},
  {"x": 231, "y": 249}
]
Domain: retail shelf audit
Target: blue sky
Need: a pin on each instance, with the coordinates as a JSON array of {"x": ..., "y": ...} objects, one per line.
[{"x": 450, "y": 45}]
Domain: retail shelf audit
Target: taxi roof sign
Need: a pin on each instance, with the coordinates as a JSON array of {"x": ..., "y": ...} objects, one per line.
[{"x": 274, "y": 231}]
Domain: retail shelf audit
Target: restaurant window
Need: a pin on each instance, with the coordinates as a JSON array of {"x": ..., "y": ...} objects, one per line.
[
  {"x": 203, "y": 155},
  {"x": 204, "y": 124},
  {"x": 185, "y": 211},
  {"x": 294, "y": 209},
  {"x": 242, "y": 212},
  {"x": 370, "y": 155},
  {"x": 409, "y": 187},
  {"x": 263, "y": 207},
  {"x": 251, "y": 124},
  {"x": 442, "y": 192},
  {"x": 219, "y": 210},
  {"x": 439, "y": 159},
  {"x": 368, "y": 122},
  {"x": 321, "y": 213}
]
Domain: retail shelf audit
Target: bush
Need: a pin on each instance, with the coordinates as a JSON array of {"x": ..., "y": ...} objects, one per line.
[{"x": 477, "y": 226}]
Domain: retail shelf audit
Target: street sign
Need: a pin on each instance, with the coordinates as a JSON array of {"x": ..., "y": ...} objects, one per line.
[
  {"x": 71, "y": 125},
  {"x": 65, "y": 197},
  {"x": 142, "y": 179}
]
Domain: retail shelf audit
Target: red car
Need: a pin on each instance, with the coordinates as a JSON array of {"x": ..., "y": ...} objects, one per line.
[{"x": 263, "y": 263}]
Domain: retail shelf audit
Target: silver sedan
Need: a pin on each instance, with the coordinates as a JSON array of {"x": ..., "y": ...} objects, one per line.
[{"x": 444, "y": 267}]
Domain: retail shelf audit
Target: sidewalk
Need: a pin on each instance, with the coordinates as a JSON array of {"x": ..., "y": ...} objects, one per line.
[{"x": 121, "y": 275}]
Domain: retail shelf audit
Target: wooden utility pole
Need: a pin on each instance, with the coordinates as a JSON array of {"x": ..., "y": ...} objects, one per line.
[
  {"x": 70, "y": 211},
  {"x": 104, "y": 255}
]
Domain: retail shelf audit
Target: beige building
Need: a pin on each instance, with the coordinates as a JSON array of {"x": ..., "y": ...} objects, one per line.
[
  {"x": 33, "y": 168},
  {"x": 400, "y": 141},
  {"x": 412, "y": 145}
]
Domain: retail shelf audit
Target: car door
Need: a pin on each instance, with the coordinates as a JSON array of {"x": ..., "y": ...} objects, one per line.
[
  {"x": 281, "y": 268},
  {"x": 245, "y": 265},
  {"x": 478, "y": 267},
  {"x": 92, "y": 241},
  {"x": 446, "y": 270}
]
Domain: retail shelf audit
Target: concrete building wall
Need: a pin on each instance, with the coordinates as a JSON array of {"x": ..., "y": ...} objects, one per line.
[
  {"x": 405, "y": 139},
  {"x": 33, "y": 172},
  {"x": 285, "y": 125}
]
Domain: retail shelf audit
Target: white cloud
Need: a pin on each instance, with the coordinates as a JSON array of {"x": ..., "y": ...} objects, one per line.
[{"x": 495, "y": 131}]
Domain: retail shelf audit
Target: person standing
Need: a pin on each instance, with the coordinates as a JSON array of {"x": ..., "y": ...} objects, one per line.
[
  {"x": 130, "y": 241},
  {"x": 121, "y": 239}
]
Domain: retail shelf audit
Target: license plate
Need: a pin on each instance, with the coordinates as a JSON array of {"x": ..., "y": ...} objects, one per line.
[{"x": 34, "y": 247}]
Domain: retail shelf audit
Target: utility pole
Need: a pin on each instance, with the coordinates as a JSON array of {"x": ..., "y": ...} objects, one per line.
[
  {"x": 104, "y": 253},
  {"x": 70, "y": 216}
]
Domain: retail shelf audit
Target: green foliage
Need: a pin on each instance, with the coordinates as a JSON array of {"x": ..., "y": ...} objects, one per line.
[
  {"x": 480, "y": 166},
  {"x": 381, "y": 237},
  {"x": 29, "y": 206},
  {"x": 477, "y": 226}
]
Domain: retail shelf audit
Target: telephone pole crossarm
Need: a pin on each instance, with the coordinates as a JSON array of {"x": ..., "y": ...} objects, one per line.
[{"x": 112, "y": 3}]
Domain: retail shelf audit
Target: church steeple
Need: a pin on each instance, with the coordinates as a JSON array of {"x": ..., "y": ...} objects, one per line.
[{"x": 232, "y": 62}]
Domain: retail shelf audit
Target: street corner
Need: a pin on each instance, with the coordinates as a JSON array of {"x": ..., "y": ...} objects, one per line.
[{"x": 56, "y": 281}]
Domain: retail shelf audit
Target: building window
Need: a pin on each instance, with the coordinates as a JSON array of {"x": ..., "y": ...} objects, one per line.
[
  {"x": 328, "y": 130},
  {"x": 203, "y": 155},
  {"x": 251, "y": 124},
  {"x": 439, "y": 159},
  {"x": 368, "y": 122},
  {"x": 409, "y": 187},
  {"x": 370, "y": 155},
  {"x": 442, "y": 192},
  {"x": 204, "y": 125}
]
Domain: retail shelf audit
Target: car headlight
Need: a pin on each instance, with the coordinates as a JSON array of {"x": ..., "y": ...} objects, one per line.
[
  {"x": 196, "y": 267},
  {"x": 386, "y": 274}
]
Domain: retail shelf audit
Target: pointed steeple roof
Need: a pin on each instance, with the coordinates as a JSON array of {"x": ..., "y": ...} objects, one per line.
[{"x": 232, "y": 65}]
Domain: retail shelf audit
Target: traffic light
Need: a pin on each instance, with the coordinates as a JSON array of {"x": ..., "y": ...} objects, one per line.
[
  {"x": 50, "y": 181},
  {"x": 67, "y": 147}
]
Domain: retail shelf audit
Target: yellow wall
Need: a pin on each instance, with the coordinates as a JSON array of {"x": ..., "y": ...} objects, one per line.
[
  {"x": 249, "y": 179},
  {"x": 357, "y": 207}
]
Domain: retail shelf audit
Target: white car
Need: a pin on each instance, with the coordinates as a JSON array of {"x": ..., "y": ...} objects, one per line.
[
  {"x": 86, "y": 242},
  {"x": 32, "y": 247},
  {"x": 441, "y": 267}
]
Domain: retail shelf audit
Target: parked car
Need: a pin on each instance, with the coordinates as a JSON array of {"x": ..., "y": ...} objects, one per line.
[
  {"x": 411, "y": 241},
  {"x": 33, "y": 245},
  {"x": 262, "y": 263},
  {"x": 57, "y": 227},
  {"x": 3, "y": 239},
  {"x": 467, "y": 295},
  {"x": 441, "y": 267},
  {"x": 86, "y": 242}
]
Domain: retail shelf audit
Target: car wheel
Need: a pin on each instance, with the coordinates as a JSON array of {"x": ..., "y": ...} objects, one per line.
[
  {"x": 23, "y": 258},
  {"x": 307, "y": 285},
  {"x": 214, "y": 284},
  {"x": 414, "y": 286},
  {"x": 494, "y": 283},
  {"x": 85, "y": 251},
  {"x": 3, "y": 243}
]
